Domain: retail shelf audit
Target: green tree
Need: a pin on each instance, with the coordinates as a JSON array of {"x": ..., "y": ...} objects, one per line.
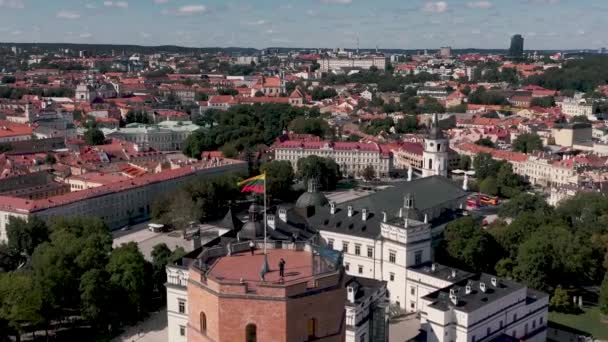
[
  {"x": 553, "y": 255},
  {"x": 545, "y": 102},
  {"x": 229, "y": 151},
  {"x": 161, "y": 257},
  {"x": 409, "y": 124},
  {"x": 485, "y": 165},
  {"x": 604, "y": 295},
  {"x": 469, "y": 246},
  {"x": 259, "y": 94},
  {"x": 464, "y": 163},
  {"x": 489, "y": 186},
  {"x": 279, "y": 178},
  {"x": 509, "y": 184},
  {"x": 20, "y": 302},
  {"x": 324, "y": 169},
  {"x": 8, "y": 79},
  {"x": 527, "y": 143},
  {"x": 94, "y": 136},
  {"x": 485, "y": 142},
  {"x": 24, "y": 236},
  {"x": 368, "y": 173},
  {"x": 314, "y": 126},
  {"x": 50, "y": 159},
  {"x": 127, "y": 269},
  {"x": 9, "y": 259},
  {"x": 525, "y": 202},
  {"x": 96, "y": 297},
  {"x": 560, "y": 301}
]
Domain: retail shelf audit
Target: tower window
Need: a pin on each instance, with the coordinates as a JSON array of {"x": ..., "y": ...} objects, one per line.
[
  {"x": 438, "y": 147},
  {"x": 430, "y": 164},
  {"x": 251, "y": 333},
  {"x": 203, "y": 323},
  {"x": 312, "y": 328}
]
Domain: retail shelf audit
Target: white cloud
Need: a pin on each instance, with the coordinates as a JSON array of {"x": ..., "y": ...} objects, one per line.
[
  {"x": 259, "y": 22},
  {"x": 158, "y": 2},
  {"x": 67, "y": 15},
  {"x": 480, "y": 4},
  {"x": 85, "y": 35},
  {"x": 336, "y": 2},
  {"x": 145, "y": 35},
  {"x": 191, "y": 9},
  {"x": 117, "y": 4},
  {"x": 14, "y": 4},
  {"x": 435, "y": 6},
  {"x": 544, "y": 2},
  {"x": 16, "y": 32}
]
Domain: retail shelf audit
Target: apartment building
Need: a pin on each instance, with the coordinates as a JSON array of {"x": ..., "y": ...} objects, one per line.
[
  {"x": 352, "y": 157},
  {"x": 329, "y": 64},
  {"x": 485, "y": 308},
  {"x": 163, "y": 136},
  {"x": 574, "y": 107},
  {"x": 117, "y": 203}
]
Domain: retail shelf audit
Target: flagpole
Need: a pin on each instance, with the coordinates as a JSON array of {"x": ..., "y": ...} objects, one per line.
[{"x": 265, "y": 221}]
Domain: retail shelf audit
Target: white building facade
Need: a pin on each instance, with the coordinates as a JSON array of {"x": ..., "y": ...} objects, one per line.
[
  {"x": 353, "y": 158},
  {"x": 329, "y": 64},
  {"x": 482, "y": 308}
]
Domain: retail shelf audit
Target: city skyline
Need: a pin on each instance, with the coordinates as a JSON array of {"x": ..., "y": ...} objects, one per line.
[{"x": 390, "y": 24}]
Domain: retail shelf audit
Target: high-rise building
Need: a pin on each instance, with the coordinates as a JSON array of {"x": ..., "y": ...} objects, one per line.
[
  {"x": 517, "y": 46},
  {"x": 445, "y": 52}
]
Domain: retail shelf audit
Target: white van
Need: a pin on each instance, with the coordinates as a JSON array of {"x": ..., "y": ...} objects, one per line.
[{"x": 156, "y": 227}]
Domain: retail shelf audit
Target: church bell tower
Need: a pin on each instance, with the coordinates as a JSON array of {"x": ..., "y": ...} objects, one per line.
[{"x": 435, "y": 154}]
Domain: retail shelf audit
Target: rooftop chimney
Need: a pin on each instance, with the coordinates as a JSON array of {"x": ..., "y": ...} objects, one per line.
[
  {"x": 482, "y": 287},
  {"x": 283, "y": 214},
  {"x": 350, "y": 211},
  {"x": 454, "y": 299},
  {"x": 453, "y": 273},
  {"x": 384, "y": 216},
  {"x": 426, "y": 218},
  {"x": 494, "y": 282},
  {"x": 433, "y": 267},
  {"x": 332, "y": 208},
  {"x": 364, "y": 214},
  {"x": 467, "y": 289},
  {"x": 407, "y": 222}
]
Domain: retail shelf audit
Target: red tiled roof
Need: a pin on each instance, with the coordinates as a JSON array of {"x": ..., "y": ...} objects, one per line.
[
  {"x": 11, "y": 129},
  {"x": 24, "y": 205}
]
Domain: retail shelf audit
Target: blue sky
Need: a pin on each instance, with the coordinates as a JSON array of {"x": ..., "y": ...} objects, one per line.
[{"x": 408, "y": 24}]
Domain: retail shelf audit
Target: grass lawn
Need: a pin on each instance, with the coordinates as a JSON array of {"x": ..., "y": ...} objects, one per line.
[{"x": 588, "y": 321}]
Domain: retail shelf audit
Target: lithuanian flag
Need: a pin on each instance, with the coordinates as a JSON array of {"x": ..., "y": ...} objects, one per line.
[{"x": 254, "y": 184}]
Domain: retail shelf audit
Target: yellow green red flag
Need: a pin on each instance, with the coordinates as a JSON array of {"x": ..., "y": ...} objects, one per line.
[{"x": 254, "y": 184}]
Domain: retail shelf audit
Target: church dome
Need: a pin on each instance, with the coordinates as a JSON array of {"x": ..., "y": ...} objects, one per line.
[
  {"x": 312, "y": 197},
  {"x": 252, "y": 230}
]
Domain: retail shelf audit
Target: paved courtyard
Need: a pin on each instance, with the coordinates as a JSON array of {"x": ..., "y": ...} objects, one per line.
[
  {"x": 153, "y": 329},
  {"x": 404, "y": 329}
]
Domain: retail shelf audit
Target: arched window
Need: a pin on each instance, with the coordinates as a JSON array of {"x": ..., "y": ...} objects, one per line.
[
  {"x": 430, "y": 164},
  {"x": 312, "y": 328},
  {"x": 203, "y": 323},
  {"x": 251, "y": 333}
]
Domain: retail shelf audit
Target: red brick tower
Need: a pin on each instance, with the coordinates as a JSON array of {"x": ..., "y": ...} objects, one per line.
[{"x": 229, "y": 301}]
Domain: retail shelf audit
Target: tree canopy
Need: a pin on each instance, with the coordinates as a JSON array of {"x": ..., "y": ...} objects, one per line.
[
  {"x": 527, "y": 143},
  {"x": 94, "y": 136},
  {"x": 325, "y": 170},
  {"x": 243, "y": 126}
]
